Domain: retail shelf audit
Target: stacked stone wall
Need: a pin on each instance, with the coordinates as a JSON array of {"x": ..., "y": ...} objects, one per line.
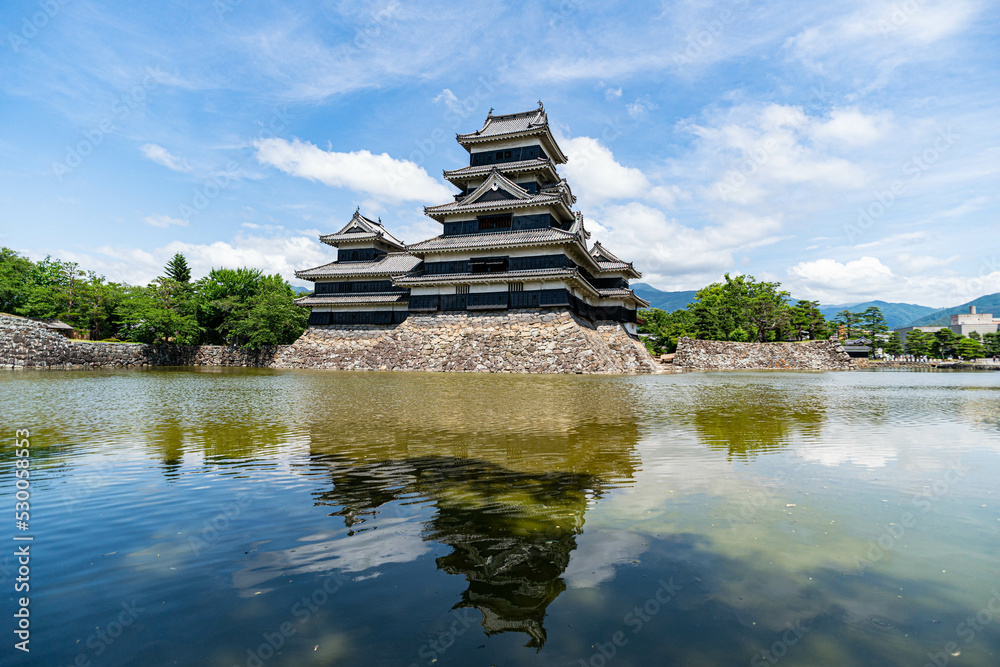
[
  {"x": 721, "y": 355},
  {"x": 514, "y": 341}
]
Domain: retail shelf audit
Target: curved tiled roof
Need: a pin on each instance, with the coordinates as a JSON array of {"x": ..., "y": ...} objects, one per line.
[
  {"x": 513, "y": 125},
  {"x": 361, "y": 228},
  {"x": 519, "y": 167},
  {"x": 503, "y": 276},
  {"x": 393, "y": 264},
  {"x": 544, "y": 236},
  {"x": 353, "y": 299},
  {"x": 557, "y": 195}
]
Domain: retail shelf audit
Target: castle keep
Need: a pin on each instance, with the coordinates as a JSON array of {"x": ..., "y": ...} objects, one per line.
[{"x": 510, "y": 241}]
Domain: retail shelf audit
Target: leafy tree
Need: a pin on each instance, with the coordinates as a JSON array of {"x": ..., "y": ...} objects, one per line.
[
  {"x": 918, "y": 343},
  {"x": 991, "y": 344},
  {"x": 944, "y": 343},
  {"x": 848, "y": 320},
  {"x": 162, "y": 312},
  {"x": 666, "y": 329},
  {"x": 968, "y": 348},
  {"x": 893, "y": 344},
  {"x": 15, "y": 284},
  {"x": 740, "y": 309},
  {"x": 244, "y": 307},
  {"x": 872, "y": 321},
  {"x": 805, "y": 316},
  {"x": 974, "y": 335},
  {"x": 177, "y": 269}
]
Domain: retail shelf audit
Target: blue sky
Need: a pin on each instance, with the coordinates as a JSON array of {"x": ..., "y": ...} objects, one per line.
[{"x": 850, "y": 150}]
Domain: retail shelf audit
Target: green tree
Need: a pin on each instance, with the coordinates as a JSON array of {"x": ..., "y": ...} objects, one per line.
[
  {"x": 918, "y": 343},
  {"x": 665, "y": 329},
  {"x": 974, "y": 335},
  {"x": 246, "y": 308},
  {"x": 849, "y": 321},
  {"x": 15, "y": 281},
  {"x": 968, "y": 348},
  {"x": 162, "y": 312},
  {"x": 893, "y": 344},
  {"x": 873, "y": 322},
  {"x": 991, "y": 344},
  {"x": 177, "y": 269},
  {"x": 944, "y": 343},
  {"x": 805, "y": 317},
  {"x": 741, "y": 308}
]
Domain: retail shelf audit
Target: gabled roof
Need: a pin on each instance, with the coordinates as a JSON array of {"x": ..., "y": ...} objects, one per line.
[
  {"x": 518, "y": 167},
  {"x": 515, "y": 125},
  {"x": 361, "y": 228},
  {"x": 609, "y": 262},
  {"x": 392, "y": 264},
  {"x": 484, "y": 198}
]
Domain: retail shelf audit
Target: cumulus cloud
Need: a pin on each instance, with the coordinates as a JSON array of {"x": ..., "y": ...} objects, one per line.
[
  {"x": 597, "y": 176},
  {"x": 832, "y": 281},
  {"x": 851, "y": 127},
  {"x": 668, "y": 251},
  {"x": 162, "y": 156},
  {"x": 270, "y": 254},
  {"x": 757, "y": 150},
  {"x": 379, "y": 176}
]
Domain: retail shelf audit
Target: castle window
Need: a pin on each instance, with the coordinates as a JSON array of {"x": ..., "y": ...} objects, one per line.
[
  {"x": 495, "y": 221},
  {"x": 461, "y": 289},
  {"x": 515, "y": 287}
]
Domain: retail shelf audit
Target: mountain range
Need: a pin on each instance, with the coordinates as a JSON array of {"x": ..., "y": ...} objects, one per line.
[{"x": 897, "y": 315}]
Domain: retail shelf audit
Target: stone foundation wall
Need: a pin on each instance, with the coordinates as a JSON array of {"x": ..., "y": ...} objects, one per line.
[
  {"x": 515, "y": 341},
  {"x": 719, "y": 355}
]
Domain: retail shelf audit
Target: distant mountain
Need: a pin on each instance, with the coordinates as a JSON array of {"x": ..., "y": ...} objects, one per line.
[
  {"x": 896, "y": 314},
  {"x": 942, "y": 318},
  {"x": 301, "y": 290},
  {"x": 666, "y": 301}
]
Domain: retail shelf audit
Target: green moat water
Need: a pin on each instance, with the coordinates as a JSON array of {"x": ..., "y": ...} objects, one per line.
[{"x": 255, "y": 517}]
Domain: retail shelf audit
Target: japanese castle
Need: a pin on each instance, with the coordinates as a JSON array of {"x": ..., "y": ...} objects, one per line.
[{"x": 510, "y": 240}]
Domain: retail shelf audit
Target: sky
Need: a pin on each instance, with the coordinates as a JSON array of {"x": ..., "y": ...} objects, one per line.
[{"x": 848, "y": 150}]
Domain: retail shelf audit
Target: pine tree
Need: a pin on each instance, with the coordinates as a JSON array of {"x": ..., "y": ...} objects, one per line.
[{"x": 177, "y": 269}]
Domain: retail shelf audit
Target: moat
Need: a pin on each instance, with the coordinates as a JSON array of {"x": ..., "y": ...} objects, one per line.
[{"x": 224, "y": 516}]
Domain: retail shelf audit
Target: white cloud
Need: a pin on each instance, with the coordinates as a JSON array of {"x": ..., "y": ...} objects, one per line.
[
  {"x": 450, "y": 100},
  {"x": 162, "y": 156},
  {"x": 270, "y": 254},
  {"x": 851, "y": 127},
  {"x": 380, "y": 176},
  {"x": 831, "y": 281},
  {"x": 164, "y": 221},
  {"x": 668, "y": 251},
  {"x": 596, "y": 176},
  {"x": 639, "y": 108}
]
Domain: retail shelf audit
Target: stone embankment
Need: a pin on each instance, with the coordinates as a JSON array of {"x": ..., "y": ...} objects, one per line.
[
  {"x": 816, "y": 355},
  {"x": 516, "y": 341}
]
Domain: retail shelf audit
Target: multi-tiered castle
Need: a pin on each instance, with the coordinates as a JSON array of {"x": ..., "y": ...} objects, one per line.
[
  {"x": 510, "y": 240},
  {"x": 509, "y": 285}
]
